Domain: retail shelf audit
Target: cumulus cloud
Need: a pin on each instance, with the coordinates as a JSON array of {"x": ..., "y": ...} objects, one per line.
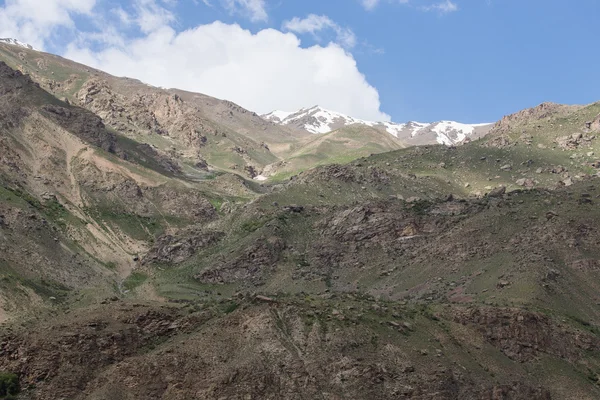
[
  {"x": 314, "y": 24},
  {"x": 261, "y": 71},
  {"x": 34, "y": 21}
]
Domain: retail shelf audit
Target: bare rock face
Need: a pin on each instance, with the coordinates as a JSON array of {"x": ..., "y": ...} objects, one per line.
[
  {"x": 155, "y": 112},
  {"x": 118, "y": 111}
]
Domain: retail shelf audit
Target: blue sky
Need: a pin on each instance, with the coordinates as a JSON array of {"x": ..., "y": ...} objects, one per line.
[{"x": 424, "y": 60}]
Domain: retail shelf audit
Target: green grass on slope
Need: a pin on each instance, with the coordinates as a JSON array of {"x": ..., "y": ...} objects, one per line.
[{"x": 341, "y": 146}]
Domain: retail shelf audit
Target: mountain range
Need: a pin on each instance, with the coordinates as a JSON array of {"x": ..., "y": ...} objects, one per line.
[
  {"x": 319, "y": 120},
  {"x": 141, "y": 258}
]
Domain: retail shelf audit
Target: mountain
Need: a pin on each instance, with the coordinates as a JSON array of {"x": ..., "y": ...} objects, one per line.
[
  {"x": 320, "y": 120},
  {"x": 339, "y": 146},
  {"x": 200, "y": 132},
  {"x": 207, "y": 136},
  {"x": 16, "y": 42},
  {"x": 127, "y": 271}
]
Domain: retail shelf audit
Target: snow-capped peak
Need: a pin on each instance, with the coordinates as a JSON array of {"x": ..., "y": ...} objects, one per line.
[
  {"x": 451, "y": 132},
  {"x": 321, "y": 120},
  {"x": 277, "y": 116},
  {"x": 16, "y": 42},
  {"x": 314, "y": 119}
]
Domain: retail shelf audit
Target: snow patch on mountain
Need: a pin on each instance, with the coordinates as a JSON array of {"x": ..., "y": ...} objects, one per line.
[
  {"x": 277, "y": 116},
  {"x": 451, "y": 132},
  {"x": 314, "y": 119},
  {"x": 319, "y": 120},
  {"x": 16, "y": 42},
  {"x": 412, "y": 127}
]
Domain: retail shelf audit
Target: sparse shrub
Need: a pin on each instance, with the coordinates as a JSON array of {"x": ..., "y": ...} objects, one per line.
[
  {"x": 9, "y": 385},
  {"x": 375, "y": 341},
  {"x": 252, "y": 225},
  {"x": 231, "y": 307},
  {"x": 420, "y": 207}
]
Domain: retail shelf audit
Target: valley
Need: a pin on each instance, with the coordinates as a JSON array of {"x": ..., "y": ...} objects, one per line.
[{"x": 162, "y": 244}]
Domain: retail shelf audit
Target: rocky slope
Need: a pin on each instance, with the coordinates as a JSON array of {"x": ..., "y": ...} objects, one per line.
[
  {"x": 207, "y": 136},
  {"x": 198, "y": 130},
  {"x": 430, "y": 272},
  {"x": 79, "y": 201},
  {"x": 384, "y": 299},
  {"x": 318, "y": 120}
]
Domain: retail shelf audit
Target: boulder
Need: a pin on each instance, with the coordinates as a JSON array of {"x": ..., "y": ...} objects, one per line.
[
  {"x": 527, "y": 182},
  {"x": 567, "y": 182},
  {"x": 498, "y": 192},
  {"x": 503, "y": 283},
  {"x": 294, "y": 208}
]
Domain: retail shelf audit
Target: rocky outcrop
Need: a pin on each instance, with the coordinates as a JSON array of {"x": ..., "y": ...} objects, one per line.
[
  {"x": 267, "y": 351},
  {"x": 61, "y": 363},
  {"x": 140, "y": 112},
  {"x": 544, "y": 110},
  {"x": 574, "y": 141},
  {"x": 593, "y": 125},
  {"x": 350, "y": 174},
  {"x": 250, "y": 266},
  {"x": 523, "y": 336},
  {"x": 122, "y": 113},
  {"x": 84, "y": 124},
  {"x": 176, "y": 248}
]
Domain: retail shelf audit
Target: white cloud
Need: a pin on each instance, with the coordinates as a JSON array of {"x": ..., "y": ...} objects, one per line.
[
  {"x": 444, "y": 7},
  {"x": 263, "y": 71},
  {"x": 369, "y": 4},
  {"x": 34, "y": 21},
  {"x": 122, "y": 15},
  {"x": 256, "y": 10},
  {"x": 151, "y": 16},
  {"x": 317, "y": 23}
]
